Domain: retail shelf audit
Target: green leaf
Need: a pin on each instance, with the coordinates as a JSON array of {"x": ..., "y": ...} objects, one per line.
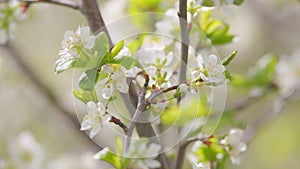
[
  {"x": 209, "y": 153},
  {"x": 211, "y": 3},
  {"x": 261, "y": 75},
  {"x": 64, "y": 63},
  {"x": 222, "y": 164},
  {"x": 230, "y": 58},
  {"x": 228, "y": 75},
  {"x": 85, "y": 96},
  {"x": 215, "y": 30},
  {"x": 127, "y": 62},
  {"x": 238, "y": 2},
  {"x": 117, "y": 48},
  {"x": 101, "y": 48},
  {"x": 208, "y": 3},
  {"x": 193, "y": 108},
  {"x": 110, "y": 157},
  {"x": 88, "y": 79}
]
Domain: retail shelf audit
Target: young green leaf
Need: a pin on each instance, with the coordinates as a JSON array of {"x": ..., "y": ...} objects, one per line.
[
  {"x": 88, "y": 79},
  {"x": 85, "y": 96},
  {"x": 215, "y": 30},
  {"x": 238, "y": 2},
  {"x": 261, "y": 75},
  {"x": 230, "y": 58},
  {"x": 117, "y": 48},
  {"x": 101, "y": 48},
  {"x": 110, "y": 157},
  {"x": 127, "y": 62}
]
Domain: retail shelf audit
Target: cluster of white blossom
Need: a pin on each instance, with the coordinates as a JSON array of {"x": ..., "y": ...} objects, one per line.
[
  {"x": 95, "y": 119},
  {"x": 116, "y": 79},
  {"x": 158, "y": 65},
  {"x": 148, "y": 154},
  {"x": 209, "y": 70},
  {"x": 25, "y": 152},
  {"x": 10, "y": 12},
  {"x": 72, "y": 44},
  {"x": 234, "y": 145}
]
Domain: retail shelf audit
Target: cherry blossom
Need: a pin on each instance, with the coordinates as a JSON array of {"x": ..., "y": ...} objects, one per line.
[
  {"x": 209, "y": 70},
  {"x": 73, "y": 42},
  {"x": 234, "y": 145},
  {"x": 148, "y": 154},
  {"x": 95, "y": 119},
  {"x": 26, "y": 152}
]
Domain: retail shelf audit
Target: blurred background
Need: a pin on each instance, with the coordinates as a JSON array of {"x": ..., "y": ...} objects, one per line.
[{"x": 262, "y": 26}]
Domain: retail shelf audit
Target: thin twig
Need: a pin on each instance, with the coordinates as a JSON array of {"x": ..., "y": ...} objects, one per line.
[
  {"x": 155, "y": 94},
  {"x": 17, "y": 58},
  {"x": 66, "y": 3},
  {"x": 184, "y": 39},
  {"x": 119, "y": 123},
  {"x": 140, "y": 108}
]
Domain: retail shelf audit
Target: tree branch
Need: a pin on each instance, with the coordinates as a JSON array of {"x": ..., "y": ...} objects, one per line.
[
  {"x": 66, "y": 3},
  {"x": 92, "y": 13},
  {"x": 184, "y": 39},
  {"x": 17, "y": 58},
  {"x": 141, "y": 106}
]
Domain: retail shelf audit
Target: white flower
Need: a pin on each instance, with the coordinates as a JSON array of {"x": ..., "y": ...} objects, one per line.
[
  {"x": 10, "y": 12},
  {"x": 288, "y": 73},
  {"x": 158, "y": 66},
  {"x": 95, "y": 119},
  {"x": 73, "y": 41},
  {"x": 80, "y": 38},
  {"x": 201, "y": 166},
  {"x": 25, "y": 152},
  {"x": 234, "y": 145},
  {"x": 146, "y": 156},
  {"x": 210, "y": 70},
  {"x": 115, "y": 79}
]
